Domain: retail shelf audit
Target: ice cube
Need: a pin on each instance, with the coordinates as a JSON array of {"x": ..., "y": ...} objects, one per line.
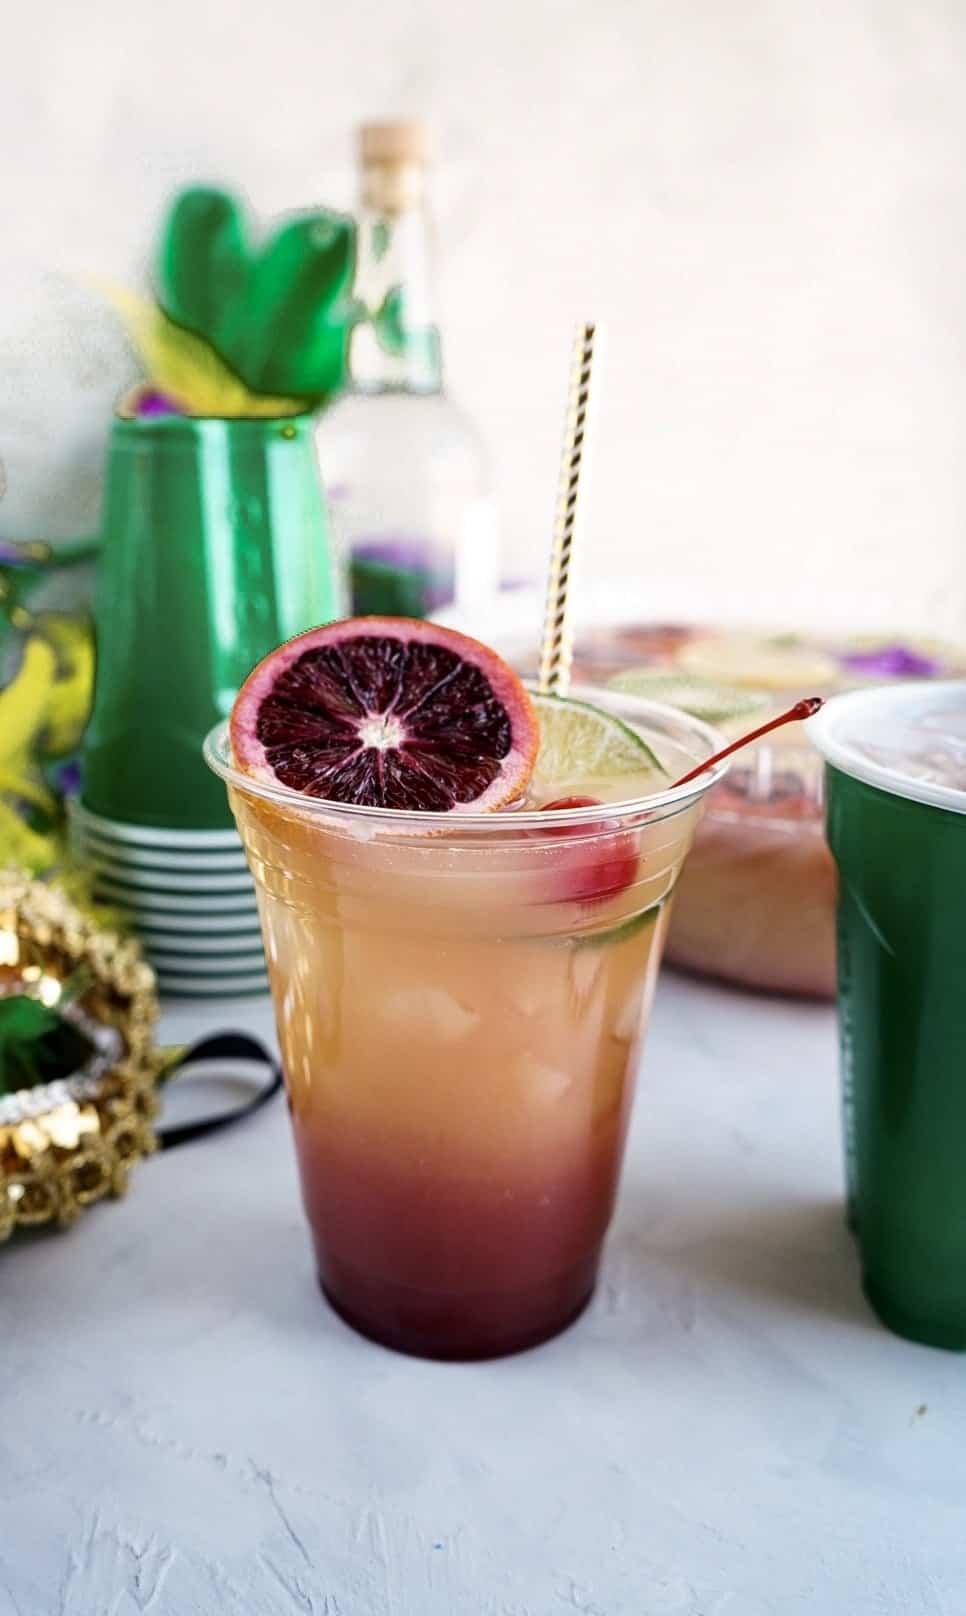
[
  {"x": 528, "y": 989},
  {"x": 629, "y": 1016},
  {"x": 585, "y": 968},
  {"x": 543, "y": 1084},
  {"x": 429, "y": 1012}
]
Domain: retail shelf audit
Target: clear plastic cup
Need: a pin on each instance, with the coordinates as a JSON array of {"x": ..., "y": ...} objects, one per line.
[
  {"x": 460, "y": 1001},
  {"x": 756, "y": 902}
]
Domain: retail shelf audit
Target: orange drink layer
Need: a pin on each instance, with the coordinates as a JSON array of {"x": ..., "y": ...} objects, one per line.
[{"x": 460, "y": 1002}]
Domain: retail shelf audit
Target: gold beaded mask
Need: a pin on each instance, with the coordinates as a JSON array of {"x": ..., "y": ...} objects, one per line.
[
  {"x": 79, "y": 1068},
  {"x": 78, "y": 1064}
]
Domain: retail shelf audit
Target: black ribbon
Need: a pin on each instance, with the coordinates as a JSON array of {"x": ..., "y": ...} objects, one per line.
[{"x": 219, "y": 1047}]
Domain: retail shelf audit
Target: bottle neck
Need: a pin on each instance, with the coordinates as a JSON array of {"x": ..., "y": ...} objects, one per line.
[{"x": 397, "y": 348}]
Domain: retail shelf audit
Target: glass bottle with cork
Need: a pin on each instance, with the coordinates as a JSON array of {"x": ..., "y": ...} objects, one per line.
[{"x": 404, "y": 470}]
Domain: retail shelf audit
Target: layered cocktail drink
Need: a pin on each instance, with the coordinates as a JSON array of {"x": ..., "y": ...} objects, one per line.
[{"x": 460, "y": 999}]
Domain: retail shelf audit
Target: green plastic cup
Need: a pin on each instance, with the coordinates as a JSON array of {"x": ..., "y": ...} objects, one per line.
[
  {"x": 215, "y": 549},
  {"x": 899, "y": 841}
]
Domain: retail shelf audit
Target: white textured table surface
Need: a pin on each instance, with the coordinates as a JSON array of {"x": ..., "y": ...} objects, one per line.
[{"x": 185, "y": 1428}]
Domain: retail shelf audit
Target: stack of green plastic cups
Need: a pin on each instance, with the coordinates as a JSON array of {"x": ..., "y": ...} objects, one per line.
[
  {"x": 215, "y": 549},
  {"x": 896, "y": 782}
]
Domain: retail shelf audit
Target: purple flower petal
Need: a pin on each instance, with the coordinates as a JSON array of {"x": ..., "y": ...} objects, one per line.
[
  {"x": 892, "y": 661},
  {"x": 151, "y": 404},
  {"x": 11, "y": 555},
  {"x": 67, "y": 778}
]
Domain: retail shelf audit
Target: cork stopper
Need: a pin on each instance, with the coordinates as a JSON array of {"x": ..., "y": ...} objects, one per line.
[{"x": 404, "y": 140}]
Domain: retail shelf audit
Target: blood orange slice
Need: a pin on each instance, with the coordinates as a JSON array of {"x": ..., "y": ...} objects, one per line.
[{"x": 389, "y": 712}]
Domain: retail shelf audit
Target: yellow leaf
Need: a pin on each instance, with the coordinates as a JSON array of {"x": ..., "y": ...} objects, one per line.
[
  {"x": 184, "y": 367},
  {"x": 27, "y": 788},
  {"x": 23, "y": 703},
  {"x": 19, "y": 845},
  {"x": 69, "y": 703}
]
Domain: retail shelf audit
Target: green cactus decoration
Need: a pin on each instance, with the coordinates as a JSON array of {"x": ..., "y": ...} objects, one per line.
[
  {"x": 280, "y": 316},
  {"x": 241, "y": 329}
]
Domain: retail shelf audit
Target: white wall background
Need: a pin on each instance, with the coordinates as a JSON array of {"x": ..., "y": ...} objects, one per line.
[{"x": 764, "y": 199}]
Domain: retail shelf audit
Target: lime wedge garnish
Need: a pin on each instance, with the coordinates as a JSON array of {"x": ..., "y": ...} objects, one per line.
[
  {"x": 586, "y": 750},
  {"x": 700, "y": 697},
  {"x": 618, "y": 934}
]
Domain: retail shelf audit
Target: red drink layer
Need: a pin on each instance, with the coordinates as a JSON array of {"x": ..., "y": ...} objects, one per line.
[{"x": 450, "y": 1267}]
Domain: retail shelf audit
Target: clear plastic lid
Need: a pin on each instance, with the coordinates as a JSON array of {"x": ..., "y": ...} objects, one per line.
[{"x": 907, "y": 739}]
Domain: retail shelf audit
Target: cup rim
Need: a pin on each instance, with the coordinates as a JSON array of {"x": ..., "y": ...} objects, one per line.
[
  {"x": 134, "y": 430},
  {"x": 217, "y": 753},
  {"x": 159, "y": 861},
  {"x": 169, "y": 883},
  {"x": 198, "y": 982},
  {"x": 146, "y": 837},
  {"x": 165, "y": 948},
  {"x": 140, "y": 904},
  {"x": 855, "y": 706},
  {"x": 173, "y": 924}
]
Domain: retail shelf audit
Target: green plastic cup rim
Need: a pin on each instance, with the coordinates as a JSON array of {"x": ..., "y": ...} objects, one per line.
[
  {"x": 696, "y": 738},
  {"x": 135, "y": 431},
  {"x": 836, "y": 730},
  {"x": 146, "y": 839}
]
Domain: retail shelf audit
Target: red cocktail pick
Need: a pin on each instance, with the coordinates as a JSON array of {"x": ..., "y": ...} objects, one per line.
[{"x": 801, "y": 710}]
